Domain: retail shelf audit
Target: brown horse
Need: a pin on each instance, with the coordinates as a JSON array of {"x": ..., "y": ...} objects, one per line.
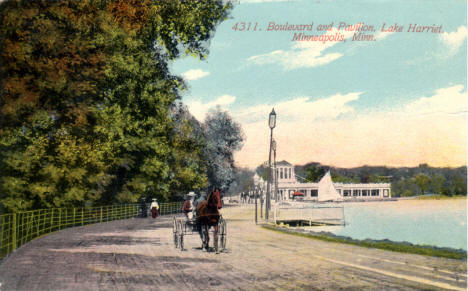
[{"x": 207, "y": 216}]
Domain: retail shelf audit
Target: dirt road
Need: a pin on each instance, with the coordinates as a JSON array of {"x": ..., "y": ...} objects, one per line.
[{"x": 138, "y": 254}]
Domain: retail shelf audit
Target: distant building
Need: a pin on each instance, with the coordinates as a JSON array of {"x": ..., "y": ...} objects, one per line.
[{"x": 325, "y": 189}]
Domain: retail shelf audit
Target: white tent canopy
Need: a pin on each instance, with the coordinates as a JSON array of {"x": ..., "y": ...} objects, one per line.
[{"x": 326, "y": 190}]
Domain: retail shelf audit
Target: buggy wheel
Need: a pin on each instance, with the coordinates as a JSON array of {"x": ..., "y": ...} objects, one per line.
[
  {"x": 181, "y": 236},
  {"x": 175, "y": 233},
  {"x": 223, "y": 229}
]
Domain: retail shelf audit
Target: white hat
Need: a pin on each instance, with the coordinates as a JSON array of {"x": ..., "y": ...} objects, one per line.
[{"x": 191, "y": 193}]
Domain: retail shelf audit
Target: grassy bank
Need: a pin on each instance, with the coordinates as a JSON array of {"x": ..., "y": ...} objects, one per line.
[
  {"x": 440, "y": 197},
  {"x": 378, "y": 244}
]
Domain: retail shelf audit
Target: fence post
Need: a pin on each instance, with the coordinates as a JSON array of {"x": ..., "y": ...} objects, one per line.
[
  {"x": 60, "y": 218},
  {"x": 13, "y": 242},
  {"x": 52, "y": 220},
  {"x": 82, "y": 217},
  {"x": 101, "y": 215},
  {"x": 44, "y": 221},
  {"x": 74, "y": 216}
]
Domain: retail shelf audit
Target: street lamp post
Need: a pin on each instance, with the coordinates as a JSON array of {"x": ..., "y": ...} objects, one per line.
[
  {"x": 261, "y": 203},
  {"x": 256, "y": 197},
  {"x": 275, "y": 173},
  {"x": 271, "y": 124}
]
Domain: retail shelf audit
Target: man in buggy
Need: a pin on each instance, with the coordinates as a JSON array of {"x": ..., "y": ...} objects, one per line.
[{"x": 188, "y": 208}]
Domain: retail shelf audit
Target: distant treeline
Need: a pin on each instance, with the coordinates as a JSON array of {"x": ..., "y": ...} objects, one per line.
[{"x": 405, "y": 181}]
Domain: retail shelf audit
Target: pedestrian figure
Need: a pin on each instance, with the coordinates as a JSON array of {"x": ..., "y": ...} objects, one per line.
[
  {"x": 154, "y": 208},
  {"x": 187, "y": 209}
]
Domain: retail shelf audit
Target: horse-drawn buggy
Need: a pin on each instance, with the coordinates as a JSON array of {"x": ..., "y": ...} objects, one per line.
[
  {"x": 183, "y": 227},
  {"x": 205, "y": 217}
]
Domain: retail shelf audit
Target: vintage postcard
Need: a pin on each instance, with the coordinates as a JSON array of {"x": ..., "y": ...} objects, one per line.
[{"x": 233, "y": 145}]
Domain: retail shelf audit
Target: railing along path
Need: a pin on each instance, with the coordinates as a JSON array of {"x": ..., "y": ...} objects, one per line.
[{"x": 18, "y": 228}]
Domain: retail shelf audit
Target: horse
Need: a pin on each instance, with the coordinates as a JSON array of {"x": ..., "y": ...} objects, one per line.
[{"x": 207, "y": 216}]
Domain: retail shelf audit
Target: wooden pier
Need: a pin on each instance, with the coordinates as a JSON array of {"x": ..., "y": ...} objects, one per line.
[
  {"x": 304, "y": 222},
  {"x": 306, "y": 214}
]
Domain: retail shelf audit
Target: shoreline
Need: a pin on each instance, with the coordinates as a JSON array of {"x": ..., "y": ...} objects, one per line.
[
  {"x": 432, "y": 197},
  {"x": 391, "y": 199},
  {"x": 401, "y": 247}
]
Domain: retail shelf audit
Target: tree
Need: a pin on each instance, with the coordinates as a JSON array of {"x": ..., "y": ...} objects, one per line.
[
  {"x": 314, "y": 173},
  {"x": 459, "y": 186},
  {"x": 378, "y": 179},
  {"x": 262, "y": 171},
  {"x": 223, "y": 137},
  {"x": 243, "y": 181},
  {"x": 422, "y": 181},
  {"x": 188, "y": 162},
  {"x": 344, "y": 179},
  {"x": 86, "y": 95},
  {"x": 437, "y": 183},
  {"x": 407, "y": 193},
  {"x": 404, "y": 187}
]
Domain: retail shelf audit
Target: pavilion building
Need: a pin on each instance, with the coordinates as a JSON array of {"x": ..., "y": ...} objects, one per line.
[{"x": 325, "y": 189}]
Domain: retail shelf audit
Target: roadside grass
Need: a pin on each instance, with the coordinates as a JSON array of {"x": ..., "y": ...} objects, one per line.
[
  {"x": 441, "y": 197},
  {"x": 402, "y": 247}
]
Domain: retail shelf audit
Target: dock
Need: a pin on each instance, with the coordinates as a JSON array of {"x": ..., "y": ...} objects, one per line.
[
  {"x": 305, "y": 214},
  {"x": 304, "y": 222}
]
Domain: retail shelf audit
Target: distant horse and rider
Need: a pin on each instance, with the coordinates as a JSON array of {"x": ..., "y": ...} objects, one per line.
[{"x": 247, "y": 197}]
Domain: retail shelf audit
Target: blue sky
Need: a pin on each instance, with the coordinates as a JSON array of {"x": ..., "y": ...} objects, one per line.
[{"x": 399, "y": 100}]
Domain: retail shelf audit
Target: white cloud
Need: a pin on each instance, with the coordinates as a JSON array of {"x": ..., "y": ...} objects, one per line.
[
  {"x": 199, "y": 109},
  {"x": 451, "y": 100},
  {"x": 194, "y": 74},
  {"x": 303, "y": 53},
  {"x": 383, "y": 34},
  {"x": 454, "y": 40},
  {"x": 303, "y": 108},
  {"x": 430, "y": 130}
]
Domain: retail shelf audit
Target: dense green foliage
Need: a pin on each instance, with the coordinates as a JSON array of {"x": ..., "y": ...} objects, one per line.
[
  {"x": 188, "y": 161},
  {"x": 223, "y": 137},
  {"x": 262, "y": 171},
  {"x": 243, "y": 181},
  {"x": 86, "y": 99},
  {"x": 405, "y": 181}
]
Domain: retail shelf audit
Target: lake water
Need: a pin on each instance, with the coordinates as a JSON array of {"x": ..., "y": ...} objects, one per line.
[{"x": 439, "y": 223}]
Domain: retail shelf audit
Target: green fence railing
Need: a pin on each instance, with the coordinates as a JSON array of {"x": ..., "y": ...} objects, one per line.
[
  {"x": 171, "y": 207},
  {"x": 18, "y": 228}
]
